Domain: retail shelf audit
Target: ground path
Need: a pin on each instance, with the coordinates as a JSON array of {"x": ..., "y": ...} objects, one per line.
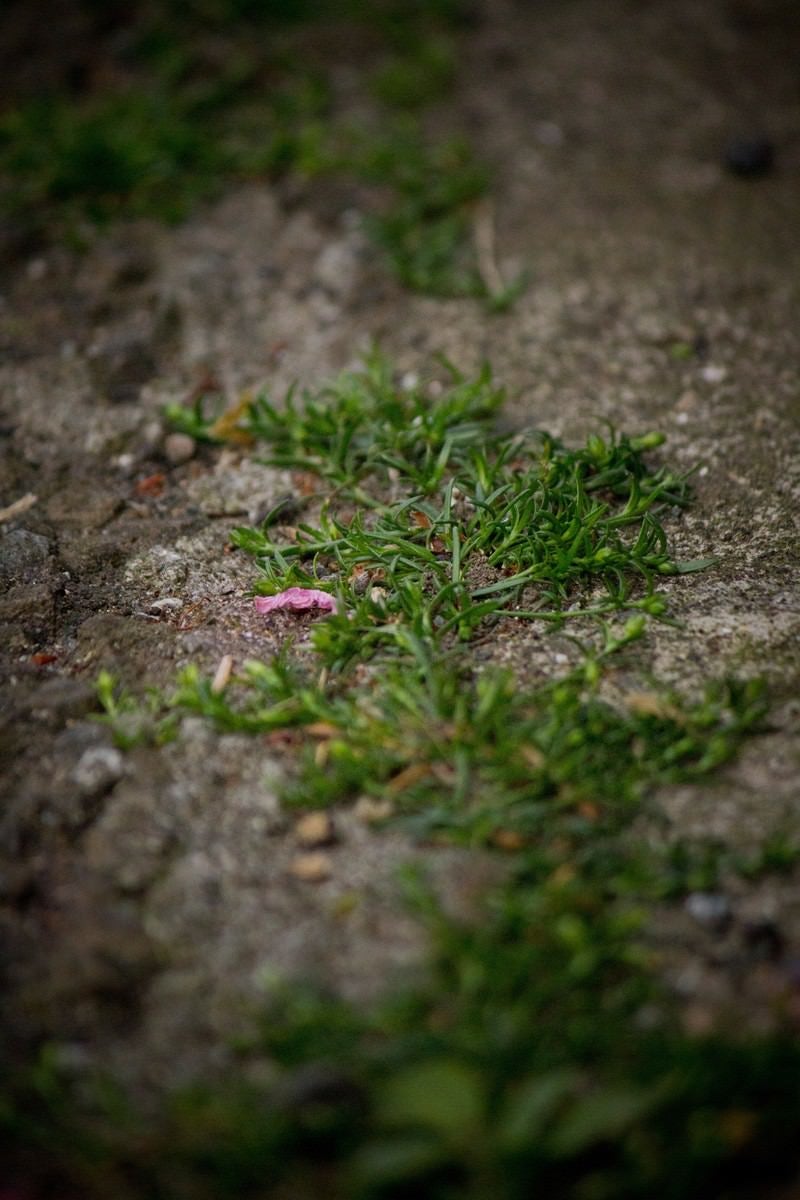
[{"x": 144, "y": 896}]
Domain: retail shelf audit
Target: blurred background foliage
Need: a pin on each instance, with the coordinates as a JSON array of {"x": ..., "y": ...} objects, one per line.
[{"x": 142, "y": 110}]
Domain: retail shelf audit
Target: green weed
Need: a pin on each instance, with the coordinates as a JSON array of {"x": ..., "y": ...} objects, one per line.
[
  {"x": 540, "y": 1051},
  {"x": 417, "y": 77},
  {"x": 142, "y": 153},
  {"x": 483, "y": 525},
  {"x": 473, "y": 756},
  {"x": 177, "y": 125},
  {"x": 133, "y": 721},
  {"x": 363, "y": 425}
]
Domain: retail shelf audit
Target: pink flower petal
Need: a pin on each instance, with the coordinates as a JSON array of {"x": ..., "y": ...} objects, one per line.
[{"x": 298, "y": 599}]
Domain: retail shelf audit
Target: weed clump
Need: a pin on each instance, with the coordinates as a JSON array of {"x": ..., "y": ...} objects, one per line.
[
  {"x": 215, "y": 93},
  {"x": 541, "y": 1049}
]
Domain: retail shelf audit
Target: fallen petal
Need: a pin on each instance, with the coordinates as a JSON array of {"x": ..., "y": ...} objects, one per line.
[{"x": 298, "y": 599}]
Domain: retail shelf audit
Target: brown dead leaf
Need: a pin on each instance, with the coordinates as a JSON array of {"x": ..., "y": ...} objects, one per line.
[
  {"x": 563, "y": 875},
  {"x": 533, "y": 757},
  {"x": 408, "y": 777},
  {"x": 650, "y": 704},
  {"x": 321, "y": 729},
  {"x": 508, "y": 839},
  {"x": 283, "y": 739},
  {"x": 737, "y": 1126},
  {"x": 226, "y": 427},
  {"x": 305, "y": 483},
  {"x": 151, "y": 485},
  {"x": 207, "y": 385}
]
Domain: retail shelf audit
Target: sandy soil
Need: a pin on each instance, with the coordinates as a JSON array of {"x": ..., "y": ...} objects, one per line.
[{"x": 144, "y": 898}]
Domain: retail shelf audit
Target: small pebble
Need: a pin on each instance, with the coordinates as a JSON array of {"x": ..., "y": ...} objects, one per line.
[
  {"x": 508, "y": 839},
  {"x": 179, "y": 448},
  {"x": 24, "y": 556},
  {"x": 765, "y": 939},
  {"x": 315, "y": 829},
  {"x": 371, "y": 811},
  {"x": 97, "y": 769},
  {"x": 36, "y": 269},
  {"x": 312, "y": 867},
  {"x": 548, "y": 133},
  {"x": 164, "y": 605},
  {"x": 708, "y": 908}
]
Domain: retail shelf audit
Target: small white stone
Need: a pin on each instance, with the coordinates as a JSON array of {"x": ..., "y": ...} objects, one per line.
[
  {"x": 97, "y": 768},
  {"x": 548, "y": 133},
  {"x": 179, "y": 448},
  {"x": 708, "y": 908},
  {"x": 166, "y": 604}
]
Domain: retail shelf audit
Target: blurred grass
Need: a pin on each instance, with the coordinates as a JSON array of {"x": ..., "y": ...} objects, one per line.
[{"x": 177, "y": 100}]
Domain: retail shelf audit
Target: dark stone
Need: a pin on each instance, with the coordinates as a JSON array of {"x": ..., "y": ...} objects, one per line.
[
  {"x": 701, "y": 347},
  {"x": 750, "y": 157},
  {"x": 23, "y": 555},
  {"x": 711, "y": 909},
  {"x": 765, "y": 940}
]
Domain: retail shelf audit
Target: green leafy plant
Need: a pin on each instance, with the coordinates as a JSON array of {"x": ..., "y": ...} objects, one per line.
[
  {"x": 483, "y": 524},
  {"x": 174, "y": 122},
  {"x": 131, "y": 720},
  {"x": 541, "y": 1049}
]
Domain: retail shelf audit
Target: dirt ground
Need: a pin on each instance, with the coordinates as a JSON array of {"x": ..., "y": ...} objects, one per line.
[{"x": 145, "y": 897}]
